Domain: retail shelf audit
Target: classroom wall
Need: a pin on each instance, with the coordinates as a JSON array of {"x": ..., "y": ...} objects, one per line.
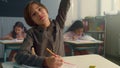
[
  {"x": 6, "y": 25},
  {"x": 87, "y": 8},
  {"x": 96, "y": 7},
  {"x": 106, "y": 6}
]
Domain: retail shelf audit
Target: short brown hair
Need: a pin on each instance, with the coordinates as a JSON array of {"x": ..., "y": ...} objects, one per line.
[{"x": 27, "y": 12}]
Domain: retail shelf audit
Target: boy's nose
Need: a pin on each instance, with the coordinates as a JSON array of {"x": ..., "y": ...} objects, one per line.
[{"x": 39, "y": 13}]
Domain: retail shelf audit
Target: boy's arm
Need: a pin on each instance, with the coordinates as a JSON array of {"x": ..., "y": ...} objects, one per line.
[
  {"x": 62, "y": 12},
  {"x": 25, "y": 56}
]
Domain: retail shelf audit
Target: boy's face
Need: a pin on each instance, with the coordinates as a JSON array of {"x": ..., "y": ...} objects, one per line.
[{"x": 39, "y": 15}]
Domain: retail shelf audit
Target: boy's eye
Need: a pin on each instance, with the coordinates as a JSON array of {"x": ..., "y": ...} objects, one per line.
[
  {"x": 39, "y": 9},
  {"x": 33, "y": 14}
]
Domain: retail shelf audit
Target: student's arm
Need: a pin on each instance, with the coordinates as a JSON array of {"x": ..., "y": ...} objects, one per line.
[
  {"x": 68, "y": 36},
  {"x": 62, "y": 12},
  {"x": 7, "y": 37},
  {"x": 25, "y": 56}
]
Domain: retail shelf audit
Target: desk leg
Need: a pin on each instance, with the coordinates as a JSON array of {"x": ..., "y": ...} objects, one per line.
[
  {"x": 97, "y": 47},
  {"x": 5, "y": 56},
  {"x": 72, "y": 50}
]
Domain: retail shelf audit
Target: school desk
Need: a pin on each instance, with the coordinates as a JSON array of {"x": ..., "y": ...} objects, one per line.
[
  {"x": 10, "y": 45},
  {"x": 83, "y": 45},
  {"x": 84, "y": 61},
  {"x": 81, "y": 61}
]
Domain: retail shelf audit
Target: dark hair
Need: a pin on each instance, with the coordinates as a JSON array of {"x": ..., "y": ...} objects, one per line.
[
  {"x": 27, "y": 12},
  {"x": 18, "y": 24},
  {"x": 76, "y": 25}
]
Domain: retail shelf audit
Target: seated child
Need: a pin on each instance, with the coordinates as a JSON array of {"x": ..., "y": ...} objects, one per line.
[
  {"x": 76, "y": 32},
  {"x": 18, "y": 32}
]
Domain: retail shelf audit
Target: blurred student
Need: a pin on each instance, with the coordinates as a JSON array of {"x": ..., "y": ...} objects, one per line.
[
  {"x": 44, "y": 33},
  {"x": 19, "y": 33},
  {"x": 76, "y": 32}
]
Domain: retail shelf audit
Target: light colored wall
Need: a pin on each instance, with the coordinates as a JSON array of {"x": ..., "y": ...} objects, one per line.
[
  {"x": 118, "y": 4},
  {"x": 106, "y": 6},
  {"x": 97, "y": 7},
  {"x": 52, "y": 6},
  {"x": 110, "y": 6},
  {"x": 87, "y": 8}
]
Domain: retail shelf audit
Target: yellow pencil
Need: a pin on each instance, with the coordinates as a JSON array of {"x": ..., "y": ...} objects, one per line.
[{"x": 51, "y": 52}]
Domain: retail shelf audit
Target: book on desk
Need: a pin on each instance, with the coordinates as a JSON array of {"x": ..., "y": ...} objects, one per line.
[{"x": 83, "y": 41}]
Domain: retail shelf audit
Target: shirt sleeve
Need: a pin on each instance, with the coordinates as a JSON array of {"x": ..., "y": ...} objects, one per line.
[
  {"x": 62, "y": 12},
  {"x": 25, "y": 56},
  {"x": 68, "y": 36}
]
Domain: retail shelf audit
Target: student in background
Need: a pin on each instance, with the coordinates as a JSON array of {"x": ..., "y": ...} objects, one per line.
[
  {"x": 19, "y": 33},
  {"x": 76, "y": 32},
  {"x": 45, "y": 33}
]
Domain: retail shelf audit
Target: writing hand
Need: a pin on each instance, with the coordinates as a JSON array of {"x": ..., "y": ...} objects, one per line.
[{"x": 54, "y": 61}]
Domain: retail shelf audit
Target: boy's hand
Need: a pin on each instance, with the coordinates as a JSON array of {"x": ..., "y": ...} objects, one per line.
[{"x": 54, "y": 61}]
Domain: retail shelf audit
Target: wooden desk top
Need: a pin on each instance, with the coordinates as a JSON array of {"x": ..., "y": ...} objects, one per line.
[
  {"x": 84, "y": 41},
  {"x": 84, "y": 61},
  {"x": 11, "y": 41}
]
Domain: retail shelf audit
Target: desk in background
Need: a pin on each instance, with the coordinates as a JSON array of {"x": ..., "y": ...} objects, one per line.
[
  {"x": 83, "y": 43},
  {"x": 82, "y": 61},
  {"x": 10, "y": 45}
]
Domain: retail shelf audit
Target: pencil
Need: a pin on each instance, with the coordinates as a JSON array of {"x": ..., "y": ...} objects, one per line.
[
  {"x": 51, "y": 52},
  {"x": 56, "y": 56}
]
